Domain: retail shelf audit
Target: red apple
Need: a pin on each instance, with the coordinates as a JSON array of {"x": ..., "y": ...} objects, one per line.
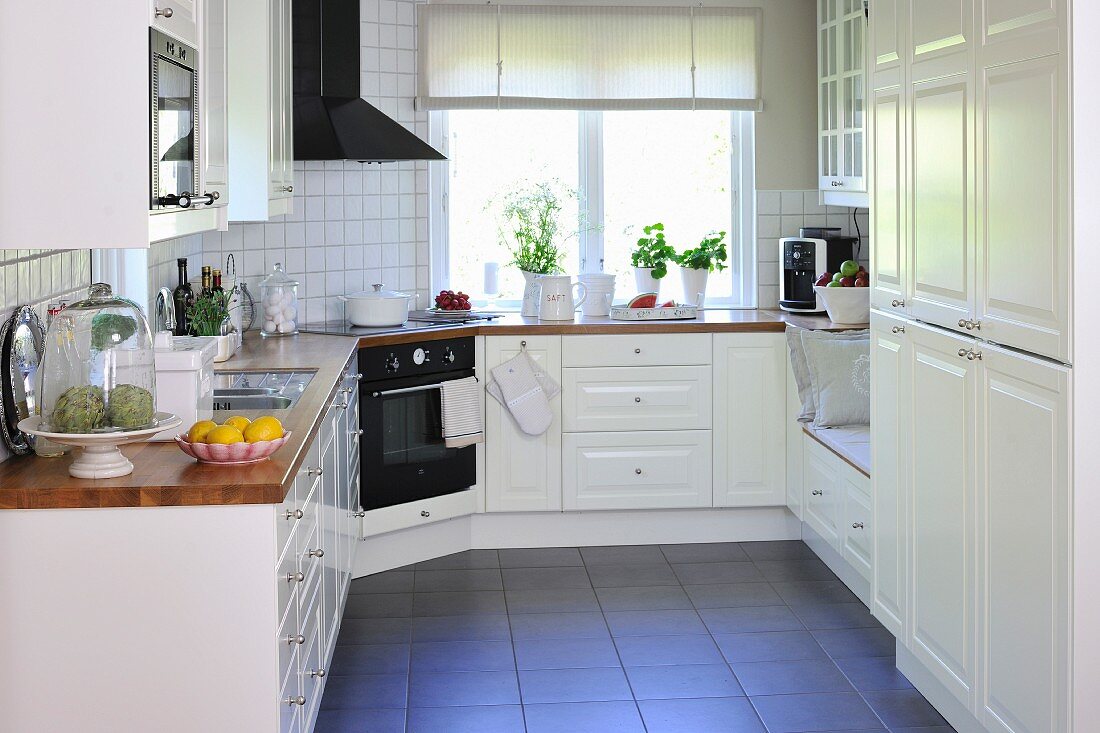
[{"x": 847, "y": 282}]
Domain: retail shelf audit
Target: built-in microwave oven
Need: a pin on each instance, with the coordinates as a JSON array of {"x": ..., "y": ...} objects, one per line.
[{"x": 174, "y": 124}]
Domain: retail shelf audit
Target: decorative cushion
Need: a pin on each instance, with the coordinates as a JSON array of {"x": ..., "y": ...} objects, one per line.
[
  {"x": 840, "y": 378},
  {"x": 801, "y": 370}
]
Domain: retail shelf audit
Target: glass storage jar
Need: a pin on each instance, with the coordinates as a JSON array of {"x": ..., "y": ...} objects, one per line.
[
  {"x": 278, "y": 304},
  {"x": 97, "y": 370}
]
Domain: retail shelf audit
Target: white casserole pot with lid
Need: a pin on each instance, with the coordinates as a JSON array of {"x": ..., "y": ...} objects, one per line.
[{"x": 377, "y": 307}]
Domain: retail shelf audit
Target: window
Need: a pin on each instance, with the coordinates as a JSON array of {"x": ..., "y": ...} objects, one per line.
[{"x": 617, "y": 171}]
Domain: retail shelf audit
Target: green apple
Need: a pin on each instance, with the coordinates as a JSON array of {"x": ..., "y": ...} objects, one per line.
[
  {"x": 834, "y": 284},
  {"x": 849, "y": 268},
  {"x": 836, "y": 277}
]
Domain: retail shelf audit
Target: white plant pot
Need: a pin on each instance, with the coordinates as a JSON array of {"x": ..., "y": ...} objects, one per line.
[
  {"x": 695, "y": 285},
  {"x": 645, "y": 282},
  {"x": 531, "y": 291}
]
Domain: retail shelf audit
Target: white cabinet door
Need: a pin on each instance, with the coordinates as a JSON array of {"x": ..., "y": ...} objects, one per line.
[
  {"x": 940, "y": 37},
  {"x": 522, "y": 472},
  {"x": 651, "y": 470},
  {"x": 856, "y": 523},
  {"x": 1013, "y": 30},
  {"x": 823, "y": 491},
  {"x": 176, "y": 18},
  {"x": 941, "y": 204},
  {"x": 793, "y": 448},
  {"x": 890, "y": 395},
  {"x": 328, "y": 550},
  {"x": 750, "y": 394},
  {"x": 888, "y": 229},
  {"x": 841, "y": 27},
  {"x": 214, "y": 133},
  {"x": 1023, "y": 257},
  {"x": 886, "y": 40},
  {"x": 942, "y": 474},
  {"x": 281, "y": 153},
  {"x": 641, "y": 398},
  {"x": 1024, "y": 545}
]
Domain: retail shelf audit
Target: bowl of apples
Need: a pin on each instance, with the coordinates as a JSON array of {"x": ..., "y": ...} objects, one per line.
[{"x": 846, "y": 294}]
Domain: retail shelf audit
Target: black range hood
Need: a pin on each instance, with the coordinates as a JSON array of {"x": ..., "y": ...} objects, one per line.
[{"x": 331, "y": 120}]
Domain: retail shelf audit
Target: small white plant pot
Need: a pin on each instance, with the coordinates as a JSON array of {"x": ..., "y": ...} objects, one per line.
[
  {"x": 695, "y": 285},
  {"x": 532, "y": 289},
  {"x": 645, "y": 282}
]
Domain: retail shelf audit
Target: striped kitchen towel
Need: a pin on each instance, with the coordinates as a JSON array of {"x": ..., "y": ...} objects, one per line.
[{"x": 461, "y": 412}]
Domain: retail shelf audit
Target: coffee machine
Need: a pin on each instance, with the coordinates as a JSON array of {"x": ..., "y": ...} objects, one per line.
[{"x": 803, "y": 259}]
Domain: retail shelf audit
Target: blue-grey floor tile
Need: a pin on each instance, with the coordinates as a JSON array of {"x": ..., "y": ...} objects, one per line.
[
  {"x": 817, "y": 712},
  {"x": 462, "y": 656},
  {"x": 706, "y": 715},
  {"x": 584, "y": 717},
  {"x": 777, "y": 550},
  {"x": 705, "y": 552},
  {"x": 370, "y": 659},
  {"x": 924, "y": 729},
  {"x": 654, "y": 623},
  {"x": 683, "y": 680},
  {"x": 360, "y": 721},
  {"x": 458, "y": 579},
  {"x": 645, "y": 651},
  {"x": 750, "y": 618},
  {"x": 391, "y": 581},
  {"x": 375, "y": 630},
  {"x": 836, "y": 616},
  {"x": 790, "y": 677},
  {"x": 556, "y": 600},
  {"x": 379, "y": 605},
  {"x": 461, "y": 628},
  {"x": 540, "y": 557},
  {"x": 903, "y": 708},
  {"x": 470, "y": 719},
  {"x": 622, "y": 554},
  {"x": 631, "y": 575},
  {"x": 803, "y": 592},
  {"x": 769, "y": 646},
  {"x": 365, "y": 691},
  {"x": 732, "y": 595},
  {"x": 874, "y": 673},
  {"x": 645, "y": 598},
  {"x": 545, "y": 578},
  {"x": 708, "y": 573},
  {"x": 467, "y": 559},
  {"x": 807, "y": 568},
  {"x": 566, "y": 653},
  {"x": 592, "y": 684},
  {"x": 588, "y": 625},
  {"x": 459, "y": 603},
  {"x": 843, "y": 643},
  {"x": 444, "y": 689}
]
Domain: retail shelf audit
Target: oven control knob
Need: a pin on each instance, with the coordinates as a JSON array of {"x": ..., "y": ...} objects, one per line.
[
  {"x": 448, "y": 355},
  {"x": 420, "y": 356},
  {"x": 392, "y": 364}
]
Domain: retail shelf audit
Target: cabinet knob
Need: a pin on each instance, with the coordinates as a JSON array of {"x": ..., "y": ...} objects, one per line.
[
  {"x": 163, "y": 12},
  {"x": 637, "y": 399},
  {"x": 638, "y": 471},
  {"x": 293, "y": 514},
  {"x": 359, "y": 514},
  {"x": 318, "y": 471},
  {"x": 425, "y": 513},
  {"x": 637, "y": 351},
  {"x": 356, "y": 377},
  {"x": 963, "y": 323},
  {"x": 316, "y": 553},
  {"x": 897, "y": 303},
  {"x": 317, "y": 672},
  {"x": 295, "y": 577},
  {"x": 972, "y": 355},
  {"x": 295, "y": 639},
  {"x": 897, "y": 329},
  {"x": 287, "y": 189},
  {"x": 295, "y": 700},
  {"x": 962, "y": 352},
  {"x": 857, "y": 525},
  {"x": 816, "y": 492}
]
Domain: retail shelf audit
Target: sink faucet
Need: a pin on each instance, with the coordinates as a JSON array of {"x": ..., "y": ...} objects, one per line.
[{"x": 165, "y": 311}]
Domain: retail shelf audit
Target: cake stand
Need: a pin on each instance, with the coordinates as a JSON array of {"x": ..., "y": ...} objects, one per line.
[{"x": 99, "y": 456}]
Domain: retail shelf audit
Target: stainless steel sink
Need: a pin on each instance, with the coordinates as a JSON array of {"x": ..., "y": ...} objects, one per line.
[
  {"x": 276, "y": 390},
  {"x": 230, "y": 403}
]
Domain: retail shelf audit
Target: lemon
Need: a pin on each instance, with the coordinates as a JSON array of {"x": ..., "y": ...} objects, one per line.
[
  {"x": 264, "y": 428},
  {"x": 224, "y": 434},
  {"x": 240, "y": 423},
  {"x": 198, "y": 431}
]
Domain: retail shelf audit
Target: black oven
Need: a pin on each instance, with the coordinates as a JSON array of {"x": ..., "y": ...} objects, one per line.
[{"x": 402, "y": 454}]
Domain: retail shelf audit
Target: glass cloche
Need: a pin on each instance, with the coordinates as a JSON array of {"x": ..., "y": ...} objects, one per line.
[
  {"x": 97, "y": 373},
  {"x": 279, "y": 298}
]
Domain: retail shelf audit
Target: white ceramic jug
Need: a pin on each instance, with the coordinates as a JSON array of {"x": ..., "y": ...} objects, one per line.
[{"x": 556, "y": 297}]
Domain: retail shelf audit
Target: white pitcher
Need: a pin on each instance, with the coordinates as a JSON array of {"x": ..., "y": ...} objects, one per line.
[{"x": 556, "y": 298}]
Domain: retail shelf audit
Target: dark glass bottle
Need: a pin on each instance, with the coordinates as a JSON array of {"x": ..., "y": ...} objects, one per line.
[
  {"x": 217, "y": 287},
  {"x": 206, "y": 284},
  {"x": 182, "y": 299}
]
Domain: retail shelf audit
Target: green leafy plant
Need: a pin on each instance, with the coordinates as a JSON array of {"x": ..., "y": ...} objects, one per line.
[
  {"x": 653, "y": 252},
  {"x": 207, "y": 314},
  {"x": 531, "y": 228},
  {"x": 710, "y": 255}
]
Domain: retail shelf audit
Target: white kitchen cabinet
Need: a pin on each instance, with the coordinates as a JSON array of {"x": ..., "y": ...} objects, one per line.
[
  {"x": 887, "y": 26},
  {"x": 939, "y": 38},
  {"x": 522, "y": 472},
  {"x": 750, "y": 410},
  {"x": 261, "y": 119},
  {"x": 669, "y": 349},
  {"x": 841, "y": 85},
  {"x": 889, "y": 235},
  {"x": 643, "y": 398},
  {"x": 643, "y": 470},
  {"x": 179, "y": 18},
  {"x": 214, "y": 132},
  {"x": 856, "y": 524},
  {"x": 823, "y": 492},
  {"x": 793, "y": 447}
]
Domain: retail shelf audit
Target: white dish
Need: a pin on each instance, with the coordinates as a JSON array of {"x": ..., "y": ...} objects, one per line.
[
  {"x": 99, "y": 456},
  {"x": 846, "y": 305},
  {"x": 440, "y": 313}
]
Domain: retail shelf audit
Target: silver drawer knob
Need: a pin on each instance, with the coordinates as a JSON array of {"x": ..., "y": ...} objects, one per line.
[
  {"x": 360, "y": 515},
  {"x": 857, "y": 525},
  {"x": 314, "y": 471},
  {"x": 316, "y": 553},
  {"x": 897, "y": 303},
  {"x": 295, "y": 577},
  {"x": 816, "y": 492},
  {"x": 287, "y": 189},
  {"x": 295, "y": 700},
  {"x": 637, "y": 399},
  {"x": 897, "y": 329},
  {"x": 295, "y": 639},
  {"x": 293, "y": 514},
  {"x": 425, "y": 513},
  {"x": 962, "y": 352},
  {"x": 317, "y": 672},
  {"x": 638, "y": 471},
  {"x": 163, "y": 12},
  {"x": 637, "y": 351}
]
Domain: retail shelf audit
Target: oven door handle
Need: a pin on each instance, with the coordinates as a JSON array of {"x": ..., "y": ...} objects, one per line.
[{"x": 405, "y": 390}]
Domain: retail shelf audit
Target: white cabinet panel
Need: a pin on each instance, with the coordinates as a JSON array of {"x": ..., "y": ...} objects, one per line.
[
  {"x": 214, "y": 65},
  {"x": 841, "y": 83},
  {"x": 651, "y": 470},
  {"x": 1023, "y": 207},
  {"x": 642, "y": 398},
  {"x": 672, "y": 349},
  {"x": 1013, "y": 30},
  {"x": 823, "y": 491},
  {"x": 749, "y": 422},
  {"x": 856, "y": 525},
  {"x": 793, "y": 448},
  {"x": 888, "y": 230},
  {"x": 1024, "y": 547},
  {"x": 886, "y": 41},
  {"x": 940, "y": 37},
  {"x": 943, "y": 426},
  {"x": 522, "y": 472},
  {"x": 176, "y": 18}
]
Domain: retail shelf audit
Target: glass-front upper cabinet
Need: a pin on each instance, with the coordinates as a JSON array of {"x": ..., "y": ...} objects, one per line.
[{"x": 841, "y": 61}]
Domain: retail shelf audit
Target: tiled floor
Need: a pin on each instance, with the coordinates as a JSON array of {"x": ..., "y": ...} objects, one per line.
[{"x": 707, "y": 638}]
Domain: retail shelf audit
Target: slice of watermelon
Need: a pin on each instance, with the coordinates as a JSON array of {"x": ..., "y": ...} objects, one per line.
[{"x": 644, "y": 300}]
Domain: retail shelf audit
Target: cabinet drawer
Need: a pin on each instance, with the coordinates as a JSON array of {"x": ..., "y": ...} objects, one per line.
[
  {"x": 822, "y": 491},
  {"x": 288, "y": 661},
  {"x": 644, "y": 398},
  {"x": 286, "y": 580},
  {"x": 312, "y": 658},
  {"x": 649, "y": 470},
  {"x": 856, "y": 524},
  {"x": 672, "y": 349}
]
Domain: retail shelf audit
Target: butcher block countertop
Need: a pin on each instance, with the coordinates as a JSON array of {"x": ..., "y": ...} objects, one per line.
[{"x": 164, "y": 476}]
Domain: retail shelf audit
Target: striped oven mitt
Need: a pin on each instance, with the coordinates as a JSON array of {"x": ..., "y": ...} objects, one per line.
[{"x": 521, "y": 386}]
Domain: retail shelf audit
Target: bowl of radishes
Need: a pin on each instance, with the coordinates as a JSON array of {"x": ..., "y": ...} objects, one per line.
[
  {"x": 846, "y": 294},
  {"x": 452, "y": 304}
]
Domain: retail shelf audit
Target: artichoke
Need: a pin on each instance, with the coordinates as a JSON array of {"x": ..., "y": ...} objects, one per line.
[
  {"x": 129, "y": 406},
  {"x": 111, "y": 329},
  {"x": 78, "y": 410}
]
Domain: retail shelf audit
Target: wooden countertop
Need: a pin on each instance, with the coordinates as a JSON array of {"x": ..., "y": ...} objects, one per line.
[{"x": 164, "y": 476}]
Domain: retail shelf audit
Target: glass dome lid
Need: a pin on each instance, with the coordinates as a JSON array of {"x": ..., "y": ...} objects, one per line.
[{"x": 97, "y": 373}]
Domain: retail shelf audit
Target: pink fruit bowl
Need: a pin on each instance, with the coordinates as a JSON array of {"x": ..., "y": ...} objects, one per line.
[{"x": 234, "y": 454}]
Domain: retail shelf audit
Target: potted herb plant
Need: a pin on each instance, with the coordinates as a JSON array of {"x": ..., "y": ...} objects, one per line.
[
  {"x": 530, "y": 230},
  {"x": 650, "y": 258},
  {"x": 697, "y": 263},
  {"x": 209, "y": 316}
]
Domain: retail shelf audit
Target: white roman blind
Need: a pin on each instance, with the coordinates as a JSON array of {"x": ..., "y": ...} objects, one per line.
[{"x": 588, "y": 57}]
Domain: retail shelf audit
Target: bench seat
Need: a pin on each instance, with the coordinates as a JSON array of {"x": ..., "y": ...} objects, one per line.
[{"x": 852, "y": 443}]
